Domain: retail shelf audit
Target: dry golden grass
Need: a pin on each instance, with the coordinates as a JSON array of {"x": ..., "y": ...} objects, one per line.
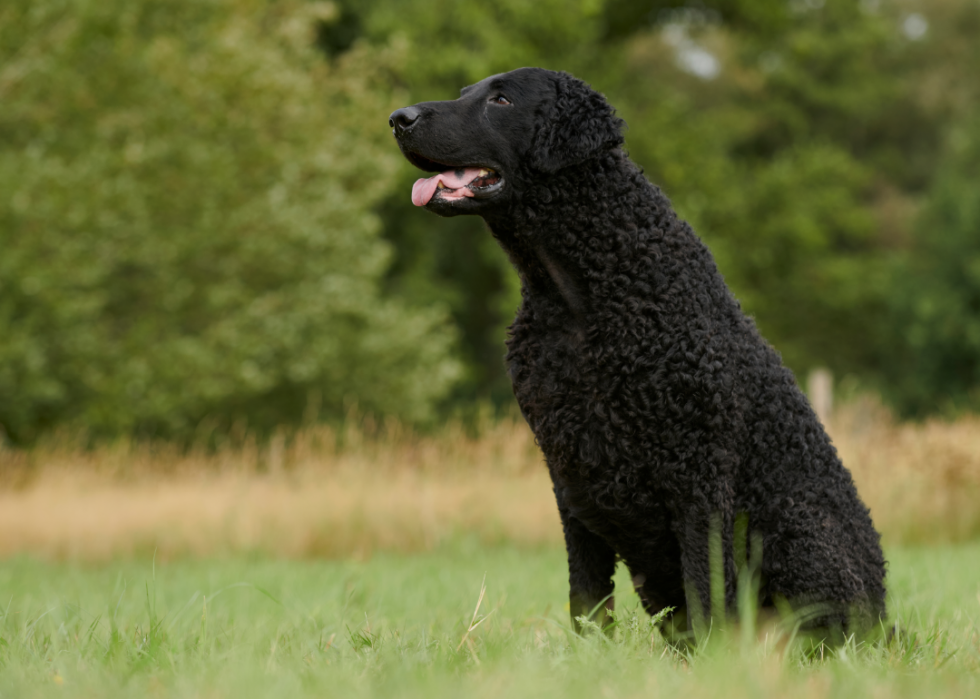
[
  {"x": 302, "y": 496},
  {"x": 921, "y": 480},
  {"x": 320, "y": 493}
]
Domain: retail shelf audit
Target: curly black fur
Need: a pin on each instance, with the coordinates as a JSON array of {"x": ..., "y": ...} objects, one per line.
[{"x": 658, "y": 406}]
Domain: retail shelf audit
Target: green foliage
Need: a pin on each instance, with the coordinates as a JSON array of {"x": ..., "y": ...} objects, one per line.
[
  {"x": 790, "y": 231},
  {"x": 203, "y": 217},
  {"x": 798, "y": 160},
  {"x": 934, "y": 365},
  {"x": 187, "y": 227},
  {"x": 763, "y": 158}
]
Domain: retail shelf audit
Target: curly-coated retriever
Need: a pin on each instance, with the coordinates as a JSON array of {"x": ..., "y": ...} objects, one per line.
[{"x": 668, "y": 424}]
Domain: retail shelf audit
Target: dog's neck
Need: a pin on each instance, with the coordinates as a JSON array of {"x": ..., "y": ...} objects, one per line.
[
  {"x": 545, "y": 272},
  {"x": 556, "y": 251}
]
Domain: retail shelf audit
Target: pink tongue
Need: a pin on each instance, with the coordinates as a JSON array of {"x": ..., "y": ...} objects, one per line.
[{"x": 455, "y": 182}]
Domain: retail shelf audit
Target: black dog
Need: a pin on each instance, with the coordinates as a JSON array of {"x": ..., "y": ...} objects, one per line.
[{"x": 665, "y": 418}]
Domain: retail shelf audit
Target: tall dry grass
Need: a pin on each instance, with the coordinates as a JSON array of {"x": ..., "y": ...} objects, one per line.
[
  {"x": 316, "y": 492},
  {"x": 921, "y": 480},
  {"x": 319, "y": 492}
]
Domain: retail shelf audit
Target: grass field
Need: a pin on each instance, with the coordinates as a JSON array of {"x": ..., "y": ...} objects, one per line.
[
  {"x": 350, "y": 563},
  {"x": 396, "y": 625}
]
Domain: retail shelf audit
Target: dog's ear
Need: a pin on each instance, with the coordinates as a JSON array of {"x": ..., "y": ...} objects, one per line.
[{"x": 580, "y": 125}]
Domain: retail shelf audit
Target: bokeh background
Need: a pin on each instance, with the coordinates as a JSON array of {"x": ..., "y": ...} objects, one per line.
[{"x": 210, "y": 264}]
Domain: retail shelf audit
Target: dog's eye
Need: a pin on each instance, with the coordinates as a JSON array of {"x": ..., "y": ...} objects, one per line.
[{"x": 500, "y": 99}]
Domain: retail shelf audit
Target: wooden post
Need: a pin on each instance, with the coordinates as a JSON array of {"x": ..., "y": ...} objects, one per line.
[{"x": 820, "y": 387}]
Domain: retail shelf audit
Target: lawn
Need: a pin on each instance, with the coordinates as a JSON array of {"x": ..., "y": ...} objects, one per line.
[{"x": 396, "y": 625}]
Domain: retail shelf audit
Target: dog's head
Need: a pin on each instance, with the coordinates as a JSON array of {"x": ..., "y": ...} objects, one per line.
[{"x": 503, "y": 130}]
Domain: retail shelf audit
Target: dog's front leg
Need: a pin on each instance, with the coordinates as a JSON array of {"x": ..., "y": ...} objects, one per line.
[
  {"x": 708, "y": 565},
  {"x": 591, "y": 564}
]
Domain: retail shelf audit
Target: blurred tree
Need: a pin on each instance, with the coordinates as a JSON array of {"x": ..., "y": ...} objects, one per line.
[
  {"x": 771, "y": 156},
  {"x": 199, "y": 202},
  {"x": 932, "y": 363},
  {"x": 773, "y": 125},
  {"x": 797, "y": 137},
  {"x": 186, "y": 223}
]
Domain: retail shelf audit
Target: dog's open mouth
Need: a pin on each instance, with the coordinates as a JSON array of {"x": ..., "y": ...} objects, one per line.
[{"x": 455, "y": 183}]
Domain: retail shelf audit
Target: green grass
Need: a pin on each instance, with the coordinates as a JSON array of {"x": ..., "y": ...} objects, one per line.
[{"x": 393, "y": 626}]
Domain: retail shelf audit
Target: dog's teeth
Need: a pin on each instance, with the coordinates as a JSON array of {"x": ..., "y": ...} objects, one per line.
[
  {"x": 440, "y": 186},
  {"x": 483, "y": 173}
]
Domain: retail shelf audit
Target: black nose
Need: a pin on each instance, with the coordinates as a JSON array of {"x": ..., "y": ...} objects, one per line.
[{"x": 403, "y": 119}]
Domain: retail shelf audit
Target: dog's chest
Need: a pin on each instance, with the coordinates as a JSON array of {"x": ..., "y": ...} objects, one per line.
[
  {"x": 576, "y": 399},
  {"x": 546, "y": 363},
  {"x": 556, "y": 382}
]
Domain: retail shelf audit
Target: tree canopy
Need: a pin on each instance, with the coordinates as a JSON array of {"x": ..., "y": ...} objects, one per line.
[
  {"x": 187, "y": 223},
  {"x": 203, "y": 218}
]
